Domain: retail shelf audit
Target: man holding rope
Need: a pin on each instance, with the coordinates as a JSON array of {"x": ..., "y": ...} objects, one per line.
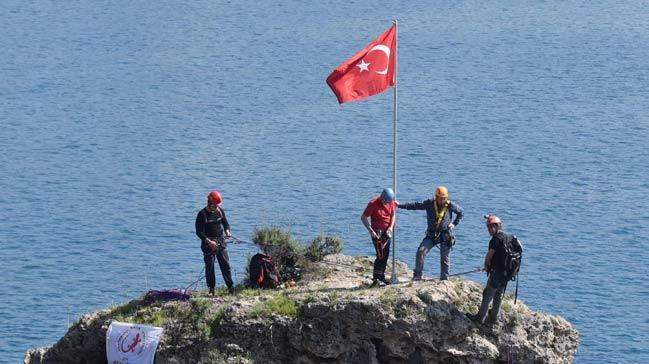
[
  {"x": 212, "y": 228},
  {"x": 381, "y": 211}
]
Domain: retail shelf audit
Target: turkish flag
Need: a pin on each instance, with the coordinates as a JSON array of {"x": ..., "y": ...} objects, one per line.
[{"x": 368, "y": 72}]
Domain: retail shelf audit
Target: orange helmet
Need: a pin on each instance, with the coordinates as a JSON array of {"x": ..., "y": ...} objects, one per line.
[
  {"x": 441, "y": 191},
  {"x": 492, "y": 219},
  {"x": 215, "y": 198}
]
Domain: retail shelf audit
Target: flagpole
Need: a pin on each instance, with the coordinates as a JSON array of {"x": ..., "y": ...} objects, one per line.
[{"x": 394, "y": 278}]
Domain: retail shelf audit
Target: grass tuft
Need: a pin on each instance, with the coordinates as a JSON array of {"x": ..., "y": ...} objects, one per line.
[{"x": 280, "y": 305}]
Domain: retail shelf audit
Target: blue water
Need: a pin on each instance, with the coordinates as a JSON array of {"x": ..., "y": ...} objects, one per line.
[{"x": 117, "y": 118}]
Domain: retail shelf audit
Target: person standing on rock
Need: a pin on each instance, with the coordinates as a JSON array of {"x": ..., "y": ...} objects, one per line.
[
  {"x": 439, "y": 215},
  {"x": 494, "y": 264},
  {"x": 381, "y": 210},
  {"x": 212, "y": 228}
]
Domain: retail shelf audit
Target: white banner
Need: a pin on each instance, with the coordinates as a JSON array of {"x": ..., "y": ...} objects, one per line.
[{"x": 131, "y": 343}]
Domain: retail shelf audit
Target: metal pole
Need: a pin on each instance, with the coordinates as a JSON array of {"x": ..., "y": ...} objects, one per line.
[{"x": 394, "y": 278}]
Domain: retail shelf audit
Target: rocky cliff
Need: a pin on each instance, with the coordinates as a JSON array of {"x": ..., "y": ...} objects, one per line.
[{"x": 336, "y": 318}]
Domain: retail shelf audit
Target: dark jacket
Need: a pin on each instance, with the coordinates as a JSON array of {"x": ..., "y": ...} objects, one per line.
[
  {"x": 429, "y": 206},
  {"x": 497, "y": 244},
  {"x": 211, "y": 224}
]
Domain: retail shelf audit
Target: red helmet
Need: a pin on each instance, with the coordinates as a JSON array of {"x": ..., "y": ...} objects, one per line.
[
  {"x": 492, "y": 219},
  {"x": 215, "y": 198}
]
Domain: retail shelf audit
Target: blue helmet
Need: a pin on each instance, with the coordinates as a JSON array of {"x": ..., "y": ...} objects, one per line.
[{"x": 387, "y": 195}]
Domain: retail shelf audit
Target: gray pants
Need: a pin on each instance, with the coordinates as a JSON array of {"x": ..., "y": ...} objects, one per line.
[
  {"x": 494, "y": 290},
  {"x": 444, "y": 255}
]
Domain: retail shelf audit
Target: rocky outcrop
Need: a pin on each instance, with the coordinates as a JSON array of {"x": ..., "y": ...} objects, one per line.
[{"x": 336, "y": 318}]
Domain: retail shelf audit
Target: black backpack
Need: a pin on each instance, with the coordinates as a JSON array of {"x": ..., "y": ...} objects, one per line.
[
  {"x": 263, "y": 273},
  {"x": 513, "y": 257}
]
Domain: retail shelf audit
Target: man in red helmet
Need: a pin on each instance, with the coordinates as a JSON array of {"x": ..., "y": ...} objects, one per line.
[
  {"x": 212, "y": 228},
  {"x": 494, "y": 263},
  {"x": 441, "y": 222}
]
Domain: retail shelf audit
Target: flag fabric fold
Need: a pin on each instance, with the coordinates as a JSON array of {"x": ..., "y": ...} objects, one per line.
[{"x": 368, "y": 72}]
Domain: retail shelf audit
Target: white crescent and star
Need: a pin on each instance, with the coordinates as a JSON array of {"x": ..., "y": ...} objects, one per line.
[{"x": 381, "y": 48}]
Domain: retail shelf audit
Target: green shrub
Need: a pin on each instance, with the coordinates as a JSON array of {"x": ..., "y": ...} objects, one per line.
[
  {"x": 217, "y": 319},
  {"x": 333, "y": 296},
  {"x": 506, "y": 307},
  {"x": 323, "y": 245},
  {"x": 153, "y": 315},
  {"x": 279, "y": 304},
  {"x": 283, "y": 249},
  {"x": 126, "y": 310},
  {"x": 275, "y": 237},
  {"x": 390, "y": 297},
  {"x": 249, "y": 292},
  {"x": 425, "y": 296}
]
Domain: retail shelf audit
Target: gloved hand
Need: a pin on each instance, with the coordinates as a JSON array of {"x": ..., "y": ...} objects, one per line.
[{"x": 374, "y": 235}]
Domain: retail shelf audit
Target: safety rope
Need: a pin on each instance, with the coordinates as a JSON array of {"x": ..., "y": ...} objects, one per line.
[
  {"x": 480, "y": 269},
  {"x": 191, "y": 285}
]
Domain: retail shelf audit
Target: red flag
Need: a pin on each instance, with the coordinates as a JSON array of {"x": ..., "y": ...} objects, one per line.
[{"x": 368, "y": 72}]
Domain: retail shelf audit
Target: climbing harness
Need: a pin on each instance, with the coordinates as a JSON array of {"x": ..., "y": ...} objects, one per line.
[{"x": 439, "y": 215}]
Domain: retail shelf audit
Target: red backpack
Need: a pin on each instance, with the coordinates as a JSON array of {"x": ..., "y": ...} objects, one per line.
[{"x": 263, "y": 273}]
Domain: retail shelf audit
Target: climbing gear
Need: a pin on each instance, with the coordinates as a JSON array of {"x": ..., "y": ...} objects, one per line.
[
  {"x": 220, "y": 245},
  {"x": 387, "y": 195},
  {"x": 492, "y": 219},
  {"x": 166, "y": 295},
  {"x": 239, "y": 241},
  {"x": 513, "y": 257},
  {"x": 263, "y": 273},
  {"x": 215, "y": 198},
  {"x": 381, "y": 242},
  {"x": 467, "y": 272},
  {"x": 439, "y": 215},
  {"x": 200, "y": 277},
  {"x": 441, "y": 191},
  {"x": 516, "y": 293}
]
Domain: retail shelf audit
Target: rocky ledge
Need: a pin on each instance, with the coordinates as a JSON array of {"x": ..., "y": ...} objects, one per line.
[{"x": 336, "y": 318}]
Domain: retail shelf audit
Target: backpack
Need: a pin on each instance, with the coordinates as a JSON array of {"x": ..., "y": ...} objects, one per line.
[
  {"x": 513, "y": 257},
  {"x": 263, "y": 273}
]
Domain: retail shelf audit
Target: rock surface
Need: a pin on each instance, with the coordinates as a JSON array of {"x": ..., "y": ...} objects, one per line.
[{"x": 336, "y": 318}]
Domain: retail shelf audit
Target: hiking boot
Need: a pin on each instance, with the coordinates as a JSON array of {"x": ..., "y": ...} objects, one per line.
[
  {"x": 211, "y": 293},
  {"x": 385, "y": 281},
  {"x": 492, "y": 326},
  {"x": 473, "y": 317},
  {"x": 416, "y": 278},
  {"x": 375, "y": 282},
  {"x": 231, "y": 290}
]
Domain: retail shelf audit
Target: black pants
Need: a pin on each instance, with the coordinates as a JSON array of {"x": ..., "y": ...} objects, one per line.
[
  {"x": 494, "y": 291},
  {"x": 221, "y": 255},
  {"x": 382, "y": 248}
]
